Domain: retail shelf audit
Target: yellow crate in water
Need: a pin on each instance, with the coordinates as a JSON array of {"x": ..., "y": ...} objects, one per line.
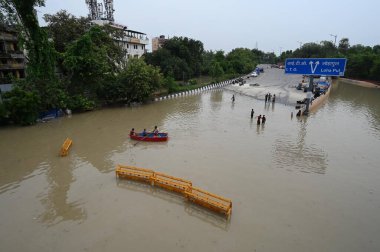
[{"x": 65, "y": 147}]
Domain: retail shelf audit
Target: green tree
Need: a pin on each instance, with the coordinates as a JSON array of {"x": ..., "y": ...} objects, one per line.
[
  {"x": 65, "y": 28},
  {"x": 139, "y": 81},
  {"x": 23, "y": 106},
  {"x": 91, "y": 61},
  {"x": 241, "y": 61},
  {"x": 344, "y": 44},
  {"x": 308, "y": 50},
  {"x": 180, "y": 57},
  {"x": 216, "y": 70},
  {"x": 375, "y": 69}
]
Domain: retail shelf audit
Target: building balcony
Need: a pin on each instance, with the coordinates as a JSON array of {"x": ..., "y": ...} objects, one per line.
[
  {"x": 12, "y": 66},
  {"x": 12, "y": 55},
  {"x": 8, "y": 37},
  {"x": 133, "y": 40}
]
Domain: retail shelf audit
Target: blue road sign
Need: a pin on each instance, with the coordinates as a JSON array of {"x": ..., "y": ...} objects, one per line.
[{"x": 316, "y": 66}]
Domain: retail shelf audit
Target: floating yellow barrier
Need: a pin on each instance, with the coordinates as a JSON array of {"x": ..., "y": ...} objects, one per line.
[
  {"x": 185, "y": 187},
  {"x": 210, "y": 200},
  {"x": 65, "y": 147},
  {"x": 131, "y": 172},
  {"x": 171, "y": 183}
]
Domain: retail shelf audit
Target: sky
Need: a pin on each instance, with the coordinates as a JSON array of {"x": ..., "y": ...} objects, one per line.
[{"x": 269, "y": 25}]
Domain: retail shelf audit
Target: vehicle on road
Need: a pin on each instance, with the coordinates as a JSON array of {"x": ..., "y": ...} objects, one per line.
[{"x": 254, "y": 74}]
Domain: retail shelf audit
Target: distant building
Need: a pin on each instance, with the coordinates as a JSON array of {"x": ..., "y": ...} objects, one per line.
[
  {"x": 12, "y": 59},
  {"x": 133, "y": 43},
  {"x": 158, "y": 42}
]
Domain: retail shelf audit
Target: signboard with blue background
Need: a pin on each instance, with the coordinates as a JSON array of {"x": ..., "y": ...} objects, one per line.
[{"x": 316, "y": 66}]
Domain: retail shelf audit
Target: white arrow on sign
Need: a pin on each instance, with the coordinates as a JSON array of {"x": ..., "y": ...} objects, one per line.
[{"x": 311, "y": 65}]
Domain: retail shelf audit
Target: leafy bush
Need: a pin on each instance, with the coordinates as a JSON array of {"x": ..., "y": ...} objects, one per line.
[
  {"x": 193, "y": 82},
  {"x": 170, "y": 84},
  {"x": 3, "y": 114},
  {"x": 22, "y": 105},
  {"x": 81, "y": 103}
]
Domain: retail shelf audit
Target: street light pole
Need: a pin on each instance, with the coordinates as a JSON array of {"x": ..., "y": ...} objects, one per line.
[{"x": 335, "y": 36}]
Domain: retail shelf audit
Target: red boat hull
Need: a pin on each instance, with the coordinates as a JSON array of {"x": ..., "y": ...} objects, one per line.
[{"x": 161, "y": 137}]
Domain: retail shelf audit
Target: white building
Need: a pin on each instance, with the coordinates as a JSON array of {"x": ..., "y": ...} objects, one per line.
[{"x": 134, "y": 43}]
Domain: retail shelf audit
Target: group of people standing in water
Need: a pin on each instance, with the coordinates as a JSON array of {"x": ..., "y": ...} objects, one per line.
[
  {"x": 261, "y": 119},
  {"x": 269, "y": 97}
]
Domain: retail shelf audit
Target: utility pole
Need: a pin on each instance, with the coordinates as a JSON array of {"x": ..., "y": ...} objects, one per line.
[{"x": 335, "y": 36}]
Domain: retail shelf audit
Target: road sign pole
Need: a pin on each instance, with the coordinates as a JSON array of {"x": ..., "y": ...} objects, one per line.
[{"x": 309, "y": 94}]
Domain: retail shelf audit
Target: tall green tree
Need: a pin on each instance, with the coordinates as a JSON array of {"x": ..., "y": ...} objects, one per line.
[
  {"x": 180, "y": 57},
  {"x": 241, "y": 61},
  {"x": 138, "y": 81},
  {"x": 91, "y": 61},
  {"x": 216, "y": 70},
  {"x": 65, "y": 28},
  {"x": 344, "y": 45}
]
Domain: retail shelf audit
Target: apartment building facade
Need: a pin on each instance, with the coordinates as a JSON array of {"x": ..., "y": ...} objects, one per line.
[{"x": 12, "y": 58}]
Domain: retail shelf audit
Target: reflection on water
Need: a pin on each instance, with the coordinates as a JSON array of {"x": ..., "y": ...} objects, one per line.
[
  {"x": 215, "y": 219},
  {"x": 363, "y": 103},
  {"x": 216, "y": 98},
  {"x": 298, "y": 155},
  {"x": 56, "y": 202}
]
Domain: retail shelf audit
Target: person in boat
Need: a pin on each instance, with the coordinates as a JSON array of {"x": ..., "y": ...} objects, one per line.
[
  {"x": 155, "y": 131},
  {"x": 144, "y": 133},
  {"x": 132, "y": 132}
]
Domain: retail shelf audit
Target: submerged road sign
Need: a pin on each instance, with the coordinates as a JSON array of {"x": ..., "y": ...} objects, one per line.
[{"x": 316, "y": 66}]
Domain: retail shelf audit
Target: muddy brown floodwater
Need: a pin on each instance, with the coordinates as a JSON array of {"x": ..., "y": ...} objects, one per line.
[{"x": 309, "y": 184}]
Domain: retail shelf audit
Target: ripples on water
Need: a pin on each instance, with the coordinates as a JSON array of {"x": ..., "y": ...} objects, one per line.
[{"x": 289, "y": 180}]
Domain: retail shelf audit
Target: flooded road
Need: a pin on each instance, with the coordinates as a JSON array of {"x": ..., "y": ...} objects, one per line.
[{"x": 308, "y": 184}]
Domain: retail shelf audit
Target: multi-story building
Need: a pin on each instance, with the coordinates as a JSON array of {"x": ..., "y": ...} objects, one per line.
[
  {"x": 133, "y": 43},
  {"x": 158, "y": 42},
  {"x": 12, "y": 59}
]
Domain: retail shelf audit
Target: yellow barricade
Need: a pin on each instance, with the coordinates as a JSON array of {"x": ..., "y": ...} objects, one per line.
[
  {"x": 210, "y": 200},
  {"x": 65, "y": 147},
  {"x": 185, "y": 187},
  {"x": 171, "y": 183},
  {"x": 135, "y": 173}
]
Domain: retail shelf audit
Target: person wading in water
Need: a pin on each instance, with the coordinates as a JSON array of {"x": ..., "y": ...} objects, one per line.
[{"x": 258, "y": 120}]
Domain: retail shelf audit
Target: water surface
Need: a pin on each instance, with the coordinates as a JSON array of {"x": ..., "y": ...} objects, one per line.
[{"x": 307, "y": 184}]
